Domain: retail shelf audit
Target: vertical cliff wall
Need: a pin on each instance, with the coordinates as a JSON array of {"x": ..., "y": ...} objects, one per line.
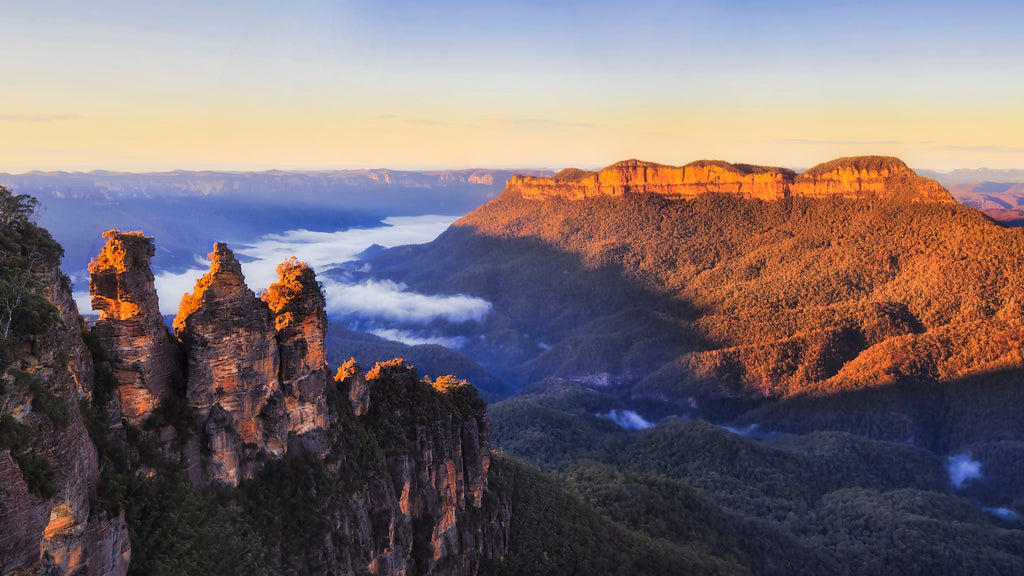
[
  {"x": 434, "y": 436},
  {"x": 853, "y": 177},
  {"x": 49, "y": 470},
  {"x": 403, "y": 462}
]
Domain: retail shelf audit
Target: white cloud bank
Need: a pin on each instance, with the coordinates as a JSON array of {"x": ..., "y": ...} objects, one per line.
[{"x": 382, "y": 299}]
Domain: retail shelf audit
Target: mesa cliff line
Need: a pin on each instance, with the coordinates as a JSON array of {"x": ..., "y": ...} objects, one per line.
[{"x": 864, "y": 177}]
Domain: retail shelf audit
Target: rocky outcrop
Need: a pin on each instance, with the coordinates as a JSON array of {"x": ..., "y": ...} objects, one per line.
[
  {"x": 410, "y": 458},
  {"x": 868, "y": 177},
  {"x": 49, "y": 469},
  {"x": 233, "y": 361},
  {"x": 435, "y": 439},
  {"x": 130, "y": 327},
  {"x": 857, "y": 177},
  {"x": 300, "y": 321}
]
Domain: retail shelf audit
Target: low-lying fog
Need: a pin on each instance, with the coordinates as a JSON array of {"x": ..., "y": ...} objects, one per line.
[{"x": 381, "y": 300}]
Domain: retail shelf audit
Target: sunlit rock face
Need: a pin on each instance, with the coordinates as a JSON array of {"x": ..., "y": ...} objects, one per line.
[
  {"x": 856, "y": 177},
  {"x": 142, "y": 353},
  {"x": 233, "y": 361},
  {"x": 868, "y": 177},
  {"x": 300, "y": 321}
]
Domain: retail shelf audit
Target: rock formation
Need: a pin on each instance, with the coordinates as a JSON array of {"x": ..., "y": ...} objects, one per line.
[
  {"x": 301, "y": 324},
  {"x": 868, "y": 177},
  {"x": 437, "y": 456},
  {"x": 59, "y": 532},
  {"x": 410, "y": 458},
  {"x": 857, "y": 177},
  {"x": 233, "y": 363},
  {"x": 130, "y": 327}
]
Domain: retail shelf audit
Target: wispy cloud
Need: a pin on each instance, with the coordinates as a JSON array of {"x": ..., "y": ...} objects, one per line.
[
  {"x": 627, "y": 419},
  {"x": 432, "y": 122},
  {"x": 38, "y": 117},
  {"x": 417, "y": 339},
  {"x": 389, "y": 300},
  {"x": 811, "y": 142},
  {"x": 962, "y": 469},
  {"x": 984, "y": 149},
  {"x": 537, "y": 124}
]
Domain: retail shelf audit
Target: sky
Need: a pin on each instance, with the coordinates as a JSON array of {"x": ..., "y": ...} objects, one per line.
[{"x": 312, "y": 84}]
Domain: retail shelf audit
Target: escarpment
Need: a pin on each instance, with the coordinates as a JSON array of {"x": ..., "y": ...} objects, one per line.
[
  {"x": 854, "y": 177},
  {"x": 49, "y": 468}
]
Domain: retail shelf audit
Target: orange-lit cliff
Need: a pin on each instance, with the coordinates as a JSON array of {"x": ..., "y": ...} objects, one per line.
[{"x": 854, "y": 177}]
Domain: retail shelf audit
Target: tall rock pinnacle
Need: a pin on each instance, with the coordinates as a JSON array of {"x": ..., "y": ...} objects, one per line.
[
  {"x": 301, "y": 324},
  {"x": 130, "y": 326},
  {"x": 233, "y": 364}
]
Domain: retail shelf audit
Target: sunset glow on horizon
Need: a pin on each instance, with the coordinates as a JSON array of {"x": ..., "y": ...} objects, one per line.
[{"x": 351, "y": 84}]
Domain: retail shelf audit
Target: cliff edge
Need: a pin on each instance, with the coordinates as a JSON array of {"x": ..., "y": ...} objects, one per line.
[{"x": 852, "y": 177}]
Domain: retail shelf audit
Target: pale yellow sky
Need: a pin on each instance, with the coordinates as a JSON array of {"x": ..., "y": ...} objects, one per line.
[{"x": 350, "y": 84}]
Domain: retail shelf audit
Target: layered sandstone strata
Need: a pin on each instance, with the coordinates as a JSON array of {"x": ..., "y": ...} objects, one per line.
[{"x": 855, "y": 177}]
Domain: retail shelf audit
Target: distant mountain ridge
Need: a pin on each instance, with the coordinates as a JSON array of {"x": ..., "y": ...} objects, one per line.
[
  {"x": 269, "y": 182},
  {"x": 853, "y": 177}
]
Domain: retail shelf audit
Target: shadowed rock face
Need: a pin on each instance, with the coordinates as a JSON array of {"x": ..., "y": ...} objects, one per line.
[
  {"x": 437, "y": 484},
  {"x": 855, "y": 177},
  {"x": 130, "y": 327},
  {"x": 63, "y": 533},
  {"x": 233, "y": 364}
]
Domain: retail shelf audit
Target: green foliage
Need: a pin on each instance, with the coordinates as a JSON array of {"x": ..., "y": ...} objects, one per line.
[
  {"x": 28, "y": 255},
  {"x": 553, "y": 532},
  {"x": 822, "y": 503},
  {"x": 553, "y": 429},
  {"x": 178, "y": 529},
  {"x": 43, "y": 400},
  {"x": 400, "y": 402},
  {"x": 762, "y": 299},
  {"x": 291, "y": 504},
  {"x": 13, "y": 434},
  {"x": 173, "y": 411},
  {"x": 38, "y": 473},
  {"x": 36, "y": 470}
]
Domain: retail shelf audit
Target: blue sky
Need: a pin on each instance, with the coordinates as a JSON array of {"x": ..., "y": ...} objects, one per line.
[{"x": 130, "y": 85}]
